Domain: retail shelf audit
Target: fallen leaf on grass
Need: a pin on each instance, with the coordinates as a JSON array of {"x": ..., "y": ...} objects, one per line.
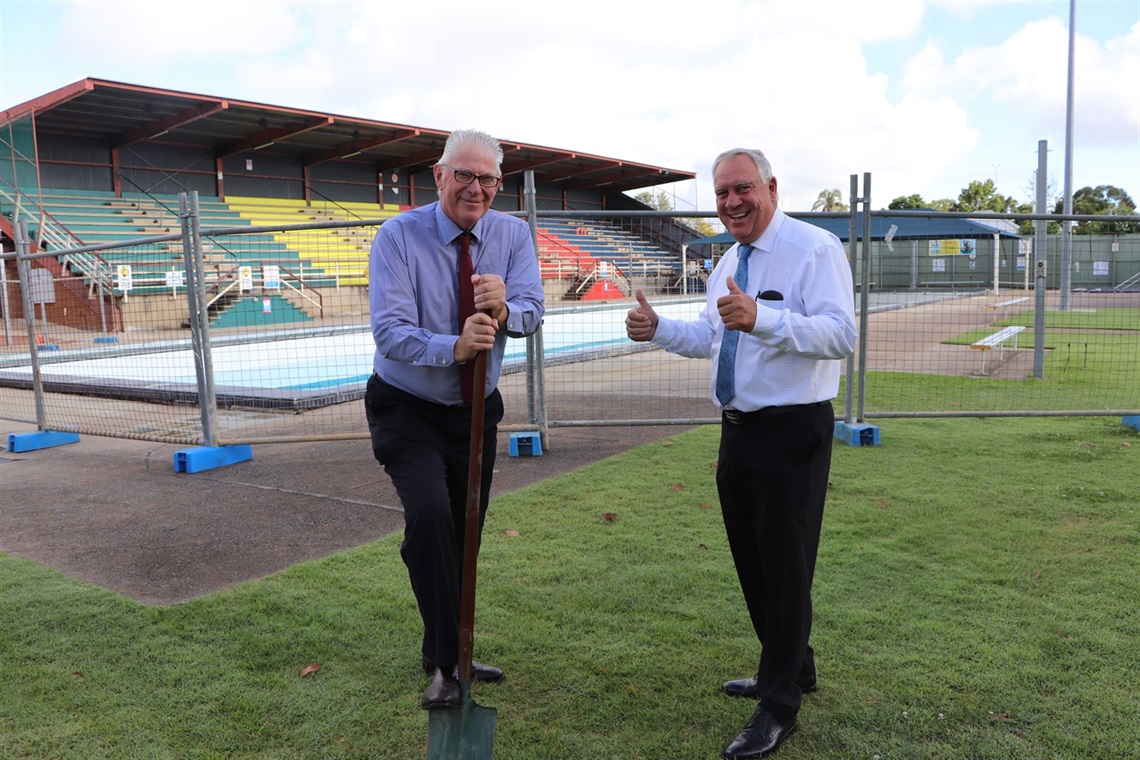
[
  {"x": 512, "y": 533},
  {"x": 666, "y": 443},
  {"x": 678, "y": 487},
  {"x": 705, "y": 505},
  {"x": 1125, "y": 443},
  {"x": 1089, "y": 446},
  {"x": 1037, "y": 574},
  {"x": 310, "y": 669},
  {"x": 882, "y": 504},
  {"x": 609, "y": 517}
]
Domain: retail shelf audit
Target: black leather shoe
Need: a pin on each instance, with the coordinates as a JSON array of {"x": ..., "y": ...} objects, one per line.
[
  {"x": 746, "y": 687},
  {"x": 442, "y": 692},
  {"x": 762, "y": 735},
  {"x": 479, "y": 671}
]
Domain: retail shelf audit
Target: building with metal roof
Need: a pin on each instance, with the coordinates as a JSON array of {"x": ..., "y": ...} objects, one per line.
[{"x": 111, "y": 136}]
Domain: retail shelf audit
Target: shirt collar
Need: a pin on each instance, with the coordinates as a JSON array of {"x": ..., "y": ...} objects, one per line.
[
  {"x": 768, "y": 236},
  {"x": 449, "y": 230}
]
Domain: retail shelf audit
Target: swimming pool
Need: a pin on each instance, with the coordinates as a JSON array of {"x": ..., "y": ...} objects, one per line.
[
  {"x": 318, "y": 367},
  {"x": 289, "y": 371}
]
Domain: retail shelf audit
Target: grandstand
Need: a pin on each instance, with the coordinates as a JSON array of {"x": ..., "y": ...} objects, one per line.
[{"x": 97, "y": 163}]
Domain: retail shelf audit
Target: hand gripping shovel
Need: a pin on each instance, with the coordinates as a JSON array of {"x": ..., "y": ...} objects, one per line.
[{"x": 468, "y": 732}]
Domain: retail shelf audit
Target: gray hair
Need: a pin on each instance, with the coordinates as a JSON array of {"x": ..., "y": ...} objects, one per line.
[
  {"x": 475, "y": 138},
  {"x": 757, "y": 157}
]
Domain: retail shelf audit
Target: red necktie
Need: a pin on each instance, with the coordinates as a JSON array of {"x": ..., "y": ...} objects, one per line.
[{"x": 466, "y": 309}]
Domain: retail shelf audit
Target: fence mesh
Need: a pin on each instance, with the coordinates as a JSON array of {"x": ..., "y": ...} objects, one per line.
[{"x": 953, "y": 326}]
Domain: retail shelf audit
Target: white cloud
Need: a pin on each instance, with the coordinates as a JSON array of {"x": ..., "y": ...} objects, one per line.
[
  {"x": 153, "y": 32},
  {"x": 956, "y": 89}
]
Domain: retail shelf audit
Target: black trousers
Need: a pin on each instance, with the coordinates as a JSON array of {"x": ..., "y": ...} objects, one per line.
[
  {"x": 772, "y": 481},
  {"x": 425, "y": 450}
]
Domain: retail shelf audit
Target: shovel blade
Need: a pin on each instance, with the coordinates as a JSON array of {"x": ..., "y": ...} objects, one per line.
[{"x": 465, "y": 733}]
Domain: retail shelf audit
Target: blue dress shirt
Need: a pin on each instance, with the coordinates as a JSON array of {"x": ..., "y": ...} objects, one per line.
[
  {"x": 414, "y": 291},
  {"x": 792, "y": 354}
]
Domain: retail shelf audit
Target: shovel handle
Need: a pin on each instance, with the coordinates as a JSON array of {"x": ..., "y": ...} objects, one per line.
[{"x": 471, "y": 526}]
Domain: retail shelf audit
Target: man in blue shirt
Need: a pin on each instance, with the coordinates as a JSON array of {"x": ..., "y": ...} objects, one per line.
[
  {"x": 418, "y": 415},
  {"x": 778, "y": 318}
]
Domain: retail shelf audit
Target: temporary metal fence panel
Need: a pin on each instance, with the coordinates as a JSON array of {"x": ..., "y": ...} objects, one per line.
[{"x": 287, "y": 347}]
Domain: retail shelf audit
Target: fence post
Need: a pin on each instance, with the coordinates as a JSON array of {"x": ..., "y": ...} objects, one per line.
[
  {"x": 43, "y": 437},
  {"x": 1040, "y": 255},
  {"x": 853, "y": 430},
  {"x": 535, "y": 353},
  {"x": 849, "y": 395},
  {"x": 864, "y": 295}
]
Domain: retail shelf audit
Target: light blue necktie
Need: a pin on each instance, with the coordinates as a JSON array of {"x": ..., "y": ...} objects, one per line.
[{"x": 725, "y": 382}]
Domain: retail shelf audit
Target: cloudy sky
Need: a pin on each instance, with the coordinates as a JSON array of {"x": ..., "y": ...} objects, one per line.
[{"x": 926, "y": 96}]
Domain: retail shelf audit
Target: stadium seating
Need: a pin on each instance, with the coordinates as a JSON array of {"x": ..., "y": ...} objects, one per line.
[
  {"x": 338, "y": 252},
  {"x": 318, "y": 258},
  {"x": 572, "y": 250}
]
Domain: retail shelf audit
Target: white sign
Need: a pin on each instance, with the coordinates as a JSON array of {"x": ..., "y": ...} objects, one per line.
[
  {"x": 124, "y": 277},
  {"x": 1100, "y": 268},
  {"x": 271, "y": 277},
  {"x": 245, "y": 278},
  {"x": 175, "y": 278},
  {"x": 42, "y": 286},
  {"x": 938, "y": 265}
]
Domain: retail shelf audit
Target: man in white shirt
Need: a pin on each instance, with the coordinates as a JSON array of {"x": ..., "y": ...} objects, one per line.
[{"x": 778, "y": 319}]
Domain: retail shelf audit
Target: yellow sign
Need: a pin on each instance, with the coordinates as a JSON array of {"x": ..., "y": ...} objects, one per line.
[{"x": 952, "y": 247}]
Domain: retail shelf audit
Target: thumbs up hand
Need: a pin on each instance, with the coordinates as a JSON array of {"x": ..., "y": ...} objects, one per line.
[
  {"x": 641, "y": 321},
  {"x": 737, "y": 309}
]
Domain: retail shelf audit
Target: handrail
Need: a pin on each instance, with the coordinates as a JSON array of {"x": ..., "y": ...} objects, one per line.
[
  {"x": 317, "y": 299},
  {"x": 1133, "y": 280},
  {"x": 228, "y": 277},
  {"x": 89, "y": 265},
  {"x": 612, "y": 273}
]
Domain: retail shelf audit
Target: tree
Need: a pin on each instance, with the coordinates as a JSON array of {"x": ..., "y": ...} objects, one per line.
[
  {"x": 829, "y": 200},
  {"x": 1102, "y": 200},
  {"x": 907, "y": 201},
  {"x": 982, "y": 195},
  {"x": 659, "y": 200}
]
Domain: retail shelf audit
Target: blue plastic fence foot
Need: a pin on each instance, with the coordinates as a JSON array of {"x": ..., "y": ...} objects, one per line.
[
  {"x": 41, "y": 439},
  {"x": 1132, "y": 421},
  {"x": 527, "y": 444},
  {"x": 857, "y": 434},
  {"x": 107, "y": 339},
  {"x": 210, "y": 457}
]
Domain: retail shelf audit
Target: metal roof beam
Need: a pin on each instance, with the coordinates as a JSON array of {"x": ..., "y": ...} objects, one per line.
[
  {"x": 363, "y": 145},
  {"x": 160, "y": 127},
  {"x": 264, "y": 139}
]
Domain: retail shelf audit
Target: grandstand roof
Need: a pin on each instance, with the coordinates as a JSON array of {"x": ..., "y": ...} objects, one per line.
[{"x": 125, "y": 114}]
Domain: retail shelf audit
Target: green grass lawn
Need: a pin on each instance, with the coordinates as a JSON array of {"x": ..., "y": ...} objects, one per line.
[{"x": 977, "y": 596}]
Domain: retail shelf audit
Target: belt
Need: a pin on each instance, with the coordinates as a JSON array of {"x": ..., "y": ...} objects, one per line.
[{"x": 737, "y": 417}]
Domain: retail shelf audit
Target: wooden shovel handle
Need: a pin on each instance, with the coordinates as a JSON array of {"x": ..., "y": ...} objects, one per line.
[{"x": 471, "y": 526}]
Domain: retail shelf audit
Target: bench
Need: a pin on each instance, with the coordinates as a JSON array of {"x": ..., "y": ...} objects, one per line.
[
  {"x": 1007, "y": 304},
  {"x": 996, "y": 340}
]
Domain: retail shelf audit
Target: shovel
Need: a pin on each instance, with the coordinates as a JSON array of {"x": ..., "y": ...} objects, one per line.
[{"x": 467, "y": 732}]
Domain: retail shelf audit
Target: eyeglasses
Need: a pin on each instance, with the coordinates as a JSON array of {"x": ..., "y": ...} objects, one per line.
[{"x": 466, "y": 177}]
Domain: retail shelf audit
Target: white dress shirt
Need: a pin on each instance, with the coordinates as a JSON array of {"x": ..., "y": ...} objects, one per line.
[{"x": 793, "y": 354}]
